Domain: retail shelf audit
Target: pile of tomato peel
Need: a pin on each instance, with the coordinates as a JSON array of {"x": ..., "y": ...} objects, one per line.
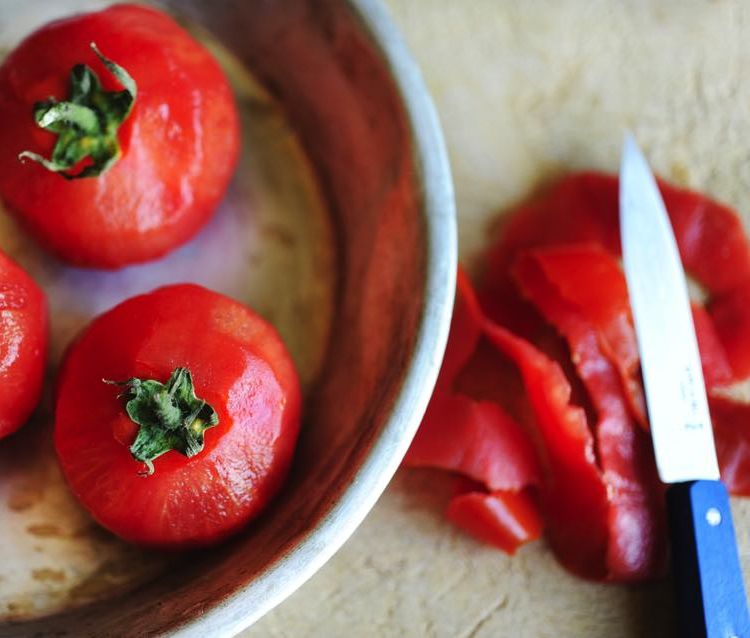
[{"x": 539, "y": 406}]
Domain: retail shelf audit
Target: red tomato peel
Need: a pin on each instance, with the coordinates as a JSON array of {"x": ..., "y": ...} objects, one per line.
[
  {"x": 573, "y": 494},
  {"x": 592, "y": 317},
  {"x": 583, "y": 208},
  {"x": 589, "y": 280},
  {"x": 591, "y": 310},
  {"x": 465, "y": 331},
  {"x": 555, "y": 264},
  {"x": 479, "y": 440},
  {"x": 716, "y": 369},
  {"x": 476, "y": 439},
  {"x": 731, "y": 421},
  {"x": 730, "y": 314},
  {"x": 504, "y": 519}
]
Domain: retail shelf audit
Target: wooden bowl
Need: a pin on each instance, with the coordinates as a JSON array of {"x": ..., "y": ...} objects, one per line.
[{"x": 356, "y": 104}]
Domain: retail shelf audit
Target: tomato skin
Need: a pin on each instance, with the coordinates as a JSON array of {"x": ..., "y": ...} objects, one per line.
[
  {"x": 574, "y": 495},
  {"x": 479, "y": 441},
  {"x": 23, "y": 345},
  {"x": 179, "y": 146},
  {"x": 587, "y": 286},
  {"x": 554, "y": 264},
  {"x": 581, "y": 291},
  {"x": 476, "y": 439},
  {"x": 239, "y": 366},
  {"x": 504, "y": 519},
  {"x": 555, "y": 305}
]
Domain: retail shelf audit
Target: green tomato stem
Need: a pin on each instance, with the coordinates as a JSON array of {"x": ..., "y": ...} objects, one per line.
[
  {"x": 86, "y": 124},
  {"x": 170, "y": 416}
]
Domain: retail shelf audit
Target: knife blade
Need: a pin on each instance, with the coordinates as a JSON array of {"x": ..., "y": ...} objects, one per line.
[
  {"x": 711, "y": 596},
  {"x": 670, "y": 362}
]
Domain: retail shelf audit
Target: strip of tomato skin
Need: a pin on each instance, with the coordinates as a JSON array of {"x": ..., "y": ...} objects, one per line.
[
  {"x": 730, "y": 313},
  {"x": 731, "y": 422},
  {"x": 730, "y": 418},
  {"x": 504, "y": 519},
  {"x": 590, "y": 279},
  {"x": 717, "y": 371},
  {"x": 583, "y": 207},
  {"x": 458, "y": 434},
  {"x": 711, "y": 239},
  {"x": 714, "y": 250},
  {"x": 573, "y": 494},
  {"x": 729, "y": 318},
  {"x": 465, "y": 331},
  {"x": 636, "y": 545},
  {"x": 476, "y": 439}
]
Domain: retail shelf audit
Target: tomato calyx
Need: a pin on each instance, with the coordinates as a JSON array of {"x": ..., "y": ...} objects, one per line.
[
  {"x": 170, "y": 416},
  {"x": 87, "y": 123}
]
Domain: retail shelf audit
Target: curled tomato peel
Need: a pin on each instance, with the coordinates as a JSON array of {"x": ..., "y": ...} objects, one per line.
[
  {"x": 505, "y": 519},
  {"x": 595, "y": 320},
  {"x": 558, "y": 254},
  {"x": 573, "y": 494},
  {"x": 731, "y": 421},
  {"x": 476, "y": 439},
  {"x": 717, "y": 371},
  {"x": 554, "y": 303},
  {"x": 479, "y": 440}
]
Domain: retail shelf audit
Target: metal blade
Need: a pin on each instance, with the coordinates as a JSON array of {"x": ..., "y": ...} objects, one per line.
[{"x": 672, "y": 374}]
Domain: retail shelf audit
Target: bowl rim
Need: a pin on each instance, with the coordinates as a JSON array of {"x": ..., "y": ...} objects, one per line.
[{"x": 433, "y": 178}]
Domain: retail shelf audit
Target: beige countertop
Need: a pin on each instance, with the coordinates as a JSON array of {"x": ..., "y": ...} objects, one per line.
[{"x": 527, "y": 90}]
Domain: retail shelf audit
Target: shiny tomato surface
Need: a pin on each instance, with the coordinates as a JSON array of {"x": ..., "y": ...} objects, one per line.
[
  {"x": 239, "y": 366},
  {"x": 179, "y": 144},
  {"x": 23, "y": 345}
]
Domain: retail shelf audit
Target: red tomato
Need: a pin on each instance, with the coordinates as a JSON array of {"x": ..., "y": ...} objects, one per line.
[
  {"x": 23, "y": 345},
  {"x": 179, "y": 144},
  {"x": 239, "y": 368}
]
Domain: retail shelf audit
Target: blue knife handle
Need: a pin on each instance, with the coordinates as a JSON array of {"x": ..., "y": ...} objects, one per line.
[{"x": 711, "y": 599}]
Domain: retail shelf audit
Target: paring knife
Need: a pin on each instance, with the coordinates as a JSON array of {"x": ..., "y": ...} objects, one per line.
[{"x": 710, "y": 590}]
